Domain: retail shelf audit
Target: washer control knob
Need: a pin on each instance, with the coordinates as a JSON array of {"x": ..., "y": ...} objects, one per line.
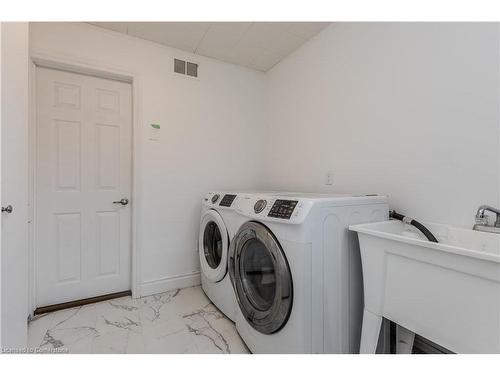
[
  {"x": 259, "y": 206},
  {"x": 215, "y": 198}
]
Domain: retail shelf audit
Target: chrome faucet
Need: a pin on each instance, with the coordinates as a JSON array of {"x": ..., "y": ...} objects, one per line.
[{"x": 482, "y": 219}]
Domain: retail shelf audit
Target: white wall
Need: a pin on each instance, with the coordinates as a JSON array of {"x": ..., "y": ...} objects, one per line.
[
  {"x": 408, "y": 110},
  {"x": 14, "y": 185},
  {"x": 225, "y": 105}
]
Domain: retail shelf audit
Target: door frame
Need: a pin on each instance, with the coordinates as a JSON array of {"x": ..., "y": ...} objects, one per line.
[{"x": 79, "y": 66}]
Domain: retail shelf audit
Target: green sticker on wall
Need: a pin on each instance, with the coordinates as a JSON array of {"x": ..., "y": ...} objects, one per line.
[{"x": 156, "y": 126}]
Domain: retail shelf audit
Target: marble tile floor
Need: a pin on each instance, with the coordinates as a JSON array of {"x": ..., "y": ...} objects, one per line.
[{"x": 180, "y": 321}]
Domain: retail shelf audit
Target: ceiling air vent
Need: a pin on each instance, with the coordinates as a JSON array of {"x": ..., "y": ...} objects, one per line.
[{"x": 185, "y": 67}]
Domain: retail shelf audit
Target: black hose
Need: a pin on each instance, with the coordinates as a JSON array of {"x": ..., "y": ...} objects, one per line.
[{"x": 408, "y": 220}]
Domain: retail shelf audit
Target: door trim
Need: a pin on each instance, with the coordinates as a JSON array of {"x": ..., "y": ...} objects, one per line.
[{"x": 79, "y": 66}]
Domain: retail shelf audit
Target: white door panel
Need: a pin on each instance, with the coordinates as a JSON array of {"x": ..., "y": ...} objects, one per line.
[
  {"x": 83, "y": 165},
  {"x": 14, "y": 184}
]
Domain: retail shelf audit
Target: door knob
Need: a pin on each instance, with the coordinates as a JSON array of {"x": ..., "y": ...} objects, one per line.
[
  {"x": 123, "y": 201},
  {"x": 7, "y": 209}
]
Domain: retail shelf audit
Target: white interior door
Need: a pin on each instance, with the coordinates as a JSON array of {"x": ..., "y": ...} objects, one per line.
[
  {"x": 83, "y": 166},
  {"x": 14, "y": 184}
]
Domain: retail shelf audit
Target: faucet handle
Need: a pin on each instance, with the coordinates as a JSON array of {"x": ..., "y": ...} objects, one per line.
[
  {"x": 482, "y": 219},
  {"x": 497, "y": 221}
]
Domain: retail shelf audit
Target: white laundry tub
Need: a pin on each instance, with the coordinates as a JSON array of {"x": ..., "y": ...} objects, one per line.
[{"x": 448, "y": 292}]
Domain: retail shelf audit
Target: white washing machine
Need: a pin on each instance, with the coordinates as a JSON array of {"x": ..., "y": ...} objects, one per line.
[
  {"x": 296, "y": 271},
  {"x": 218, "y": 225}
]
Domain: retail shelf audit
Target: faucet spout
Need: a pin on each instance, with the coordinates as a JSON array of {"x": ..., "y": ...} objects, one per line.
[{"x": 482, "y": 218}]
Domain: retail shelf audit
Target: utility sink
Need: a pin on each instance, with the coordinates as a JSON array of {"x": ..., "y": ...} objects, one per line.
[{"x": 447, "y": 292}]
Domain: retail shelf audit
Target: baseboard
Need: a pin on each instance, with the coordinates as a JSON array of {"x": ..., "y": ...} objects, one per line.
[{"x": 170, "y": 283}]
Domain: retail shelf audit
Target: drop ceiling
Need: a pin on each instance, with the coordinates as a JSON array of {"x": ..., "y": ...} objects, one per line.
[{"x": 257, "y": 45}]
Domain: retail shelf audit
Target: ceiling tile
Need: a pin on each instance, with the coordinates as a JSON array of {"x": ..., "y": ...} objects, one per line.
[
  {"x": 272, "y": 36},
  {"x": 265, "y": 60},
  {"x": 244, "y": 53},
  {"x": 221, "y": 38},
  {"x": 306, "y": 30},
  {"x": 182, "y": 35},
  {"x": 115, "y": 26}
]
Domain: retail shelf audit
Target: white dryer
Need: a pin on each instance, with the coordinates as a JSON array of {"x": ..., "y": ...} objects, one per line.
[
  {"x": 296, "y": 271},
  {"x": 217, "y": 227}
]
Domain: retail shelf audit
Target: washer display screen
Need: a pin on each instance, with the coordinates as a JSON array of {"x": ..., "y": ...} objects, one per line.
[{"x": 227, "y": 200}]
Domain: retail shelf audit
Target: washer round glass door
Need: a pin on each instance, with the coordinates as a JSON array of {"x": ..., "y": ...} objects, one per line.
[
  {"x": 261, "y": 278},
  {"x": 213, "y": 246}
]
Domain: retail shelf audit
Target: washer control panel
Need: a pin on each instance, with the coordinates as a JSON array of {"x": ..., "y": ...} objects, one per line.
[
  {"x": 282, "y": 209},
  {"x": 227, "y": 200}
]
